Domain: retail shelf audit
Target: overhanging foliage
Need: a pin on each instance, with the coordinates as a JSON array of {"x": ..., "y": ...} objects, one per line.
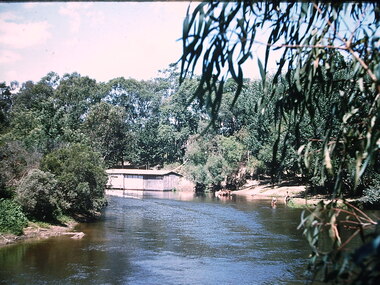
[{"x": 315, "y": 38}]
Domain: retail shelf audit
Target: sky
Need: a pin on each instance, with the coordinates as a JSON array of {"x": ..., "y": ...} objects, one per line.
[
  {"x": 102, "y": 40},
  {"x": 96, "y": 39}
]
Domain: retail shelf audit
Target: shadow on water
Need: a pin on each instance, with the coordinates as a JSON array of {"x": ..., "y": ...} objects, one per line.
[{"x": 168, "y": 238}]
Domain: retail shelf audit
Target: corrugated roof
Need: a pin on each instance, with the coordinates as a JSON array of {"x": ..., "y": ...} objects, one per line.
[{"x": 141, "y": 172}]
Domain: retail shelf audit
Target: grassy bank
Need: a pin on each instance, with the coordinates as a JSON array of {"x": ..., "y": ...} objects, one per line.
[{"x": 41, "y": 230}]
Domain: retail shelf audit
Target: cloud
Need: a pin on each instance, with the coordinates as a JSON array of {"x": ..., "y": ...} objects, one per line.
[
  {"x": 37, "y": 5},
  {"x": 9, "y": 16},
  {"x": 74, "y": 11},
  {"x": 8, "y": 56},
  {"x": 96, "y": 17},
  {"x": 10, "y": 75},
  {"x": 22, "y": 35}
]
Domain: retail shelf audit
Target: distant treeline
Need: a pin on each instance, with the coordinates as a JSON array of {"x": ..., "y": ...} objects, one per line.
[{"x": 59, "y": 134}]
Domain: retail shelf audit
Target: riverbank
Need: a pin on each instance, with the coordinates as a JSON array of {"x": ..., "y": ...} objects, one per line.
[
  {"x": 35, "y": 231},
  {"x": 296, "y": 195}
]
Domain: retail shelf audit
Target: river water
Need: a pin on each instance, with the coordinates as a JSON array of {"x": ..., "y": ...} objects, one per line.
[{"x": 168, "y": 238}]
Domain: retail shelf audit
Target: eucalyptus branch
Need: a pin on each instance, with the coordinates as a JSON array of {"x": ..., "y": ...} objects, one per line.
[
  {"x": 359, "y": 22},
  {"x": 369, "y": 220},
  {"x": 362, "y": 63},
  {"x": 377, "y": 99},
  {"x": 361, "y": 212},
  {"x": 348, "y": 46},
  {"x": 349, "y": 239},
  {"x": 302, "y": 46}
]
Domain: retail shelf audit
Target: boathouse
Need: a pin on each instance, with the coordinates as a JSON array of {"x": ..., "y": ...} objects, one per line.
[{"x": 138, "y": 179}]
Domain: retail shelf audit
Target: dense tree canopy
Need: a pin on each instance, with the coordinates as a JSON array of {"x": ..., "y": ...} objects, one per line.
[{"x": 105, "y": 129}]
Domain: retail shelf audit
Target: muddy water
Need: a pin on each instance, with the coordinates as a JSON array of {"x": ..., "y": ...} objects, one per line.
[{"x": 168, "y": 238}]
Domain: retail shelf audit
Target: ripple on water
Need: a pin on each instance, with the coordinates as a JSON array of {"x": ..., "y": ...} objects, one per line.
[{"x": 162, "y": 241}]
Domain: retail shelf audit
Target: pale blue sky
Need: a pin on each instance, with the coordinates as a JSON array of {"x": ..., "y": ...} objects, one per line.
[
  {"x": 96, "y": 39},
  {"x": 101, "y": 40}
]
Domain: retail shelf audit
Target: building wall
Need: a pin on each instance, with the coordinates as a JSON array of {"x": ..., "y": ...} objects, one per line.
[
  {"x": 170, "y": 181},
  {"x": 153, "y": 182},
  {"x": 142, "y": 182},
  {"x": 115, "y": 181},
  {"x": 133, "y": 182}
]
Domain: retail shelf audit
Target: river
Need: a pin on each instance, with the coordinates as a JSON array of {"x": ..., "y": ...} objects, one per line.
[{"x": 168, "y": 238}]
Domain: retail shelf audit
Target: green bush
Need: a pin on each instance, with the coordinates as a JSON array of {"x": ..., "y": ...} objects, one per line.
[
  {"x": 37, "y": 196},
  {"x": 5, "y": 191},
  {"x": 81, "y": 179},
  {"x": 12, "y": 219},
  {"x": 371, "y": 192},
  {"x": 371, "y": 196},
  {"x": 214, "y": 160}
]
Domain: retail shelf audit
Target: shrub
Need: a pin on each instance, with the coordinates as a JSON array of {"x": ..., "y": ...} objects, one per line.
[
  {"x": 15, "y": 163},
  {"x": 213, "y": 161},
  {"x": 371, "y": 192},
  {"x": 12, "y": 219},
  {"x": 371, "y": 197},
  {"x": 5, "y": 191},
  {"x": 37, "y": 196},
  {"x": 81, "y": 179}
]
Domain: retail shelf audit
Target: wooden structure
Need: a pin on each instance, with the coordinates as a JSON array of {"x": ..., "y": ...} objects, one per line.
[{"x": 138, "y": 179}]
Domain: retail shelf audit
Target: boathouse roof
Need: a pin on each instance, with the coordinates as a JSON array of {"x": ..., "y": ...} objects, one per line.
[{"x": 141, "y": 172}]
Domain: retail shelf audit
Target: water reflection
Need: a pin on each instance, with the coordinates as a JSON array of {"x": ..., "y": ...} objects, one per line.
[
  {"x": 168, "y": 238},
  {"x": 180, "y": 195}
]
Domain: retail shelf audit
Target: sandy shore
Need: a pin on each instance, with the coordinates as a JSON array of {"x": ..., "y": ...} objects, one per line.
[
  {"x": 34, "y": 231},
  {"x": 296, "y": 193}
]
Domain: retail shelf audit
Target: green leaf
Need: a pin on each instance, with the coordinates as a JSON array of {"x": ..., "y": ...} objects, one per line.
[
  {"x": 377, "y": 72},
  {"x": 262, "y": 71}
]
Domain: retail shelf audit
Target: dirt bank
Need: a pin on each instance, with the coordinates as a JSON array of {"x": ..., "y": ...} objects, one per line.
[
  {"x": 33, "y": 231},
  {"x": 296, "y": 193}
]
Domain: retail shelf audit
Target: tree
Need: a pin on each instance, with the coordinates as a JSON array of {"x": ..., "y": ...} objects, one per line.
[
  {"x": 12, "y": 219},
  {"x": 5, "y": 105},
  {"x": 141, "y": 105},
  {"x": 47, "y": 114},
  {"x": 37, "y": 195},
  {"x": 35, "y": 118},
  {"x": 213, "y": 160},
  {"x": 105, "y": 130},
  {"x": 75, "y": 95},
  {"x": 15, "y": 162},
  {"x": 312, "y": 36},
  {"x": 177, "y": 121},
  {"x": 137, "y": 97},
  {"x": 81, "y": 179}
]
